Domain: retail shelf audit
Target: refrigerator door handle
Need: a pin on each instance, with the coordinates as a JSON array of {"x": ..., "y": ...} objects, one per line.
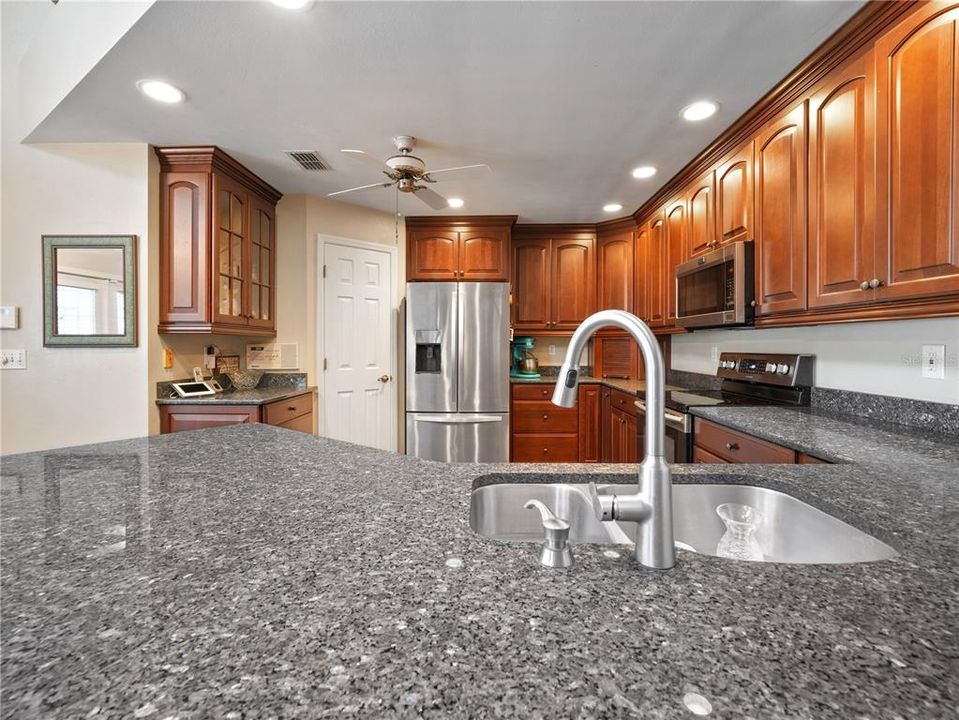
[{"x": 457, "y": 420}]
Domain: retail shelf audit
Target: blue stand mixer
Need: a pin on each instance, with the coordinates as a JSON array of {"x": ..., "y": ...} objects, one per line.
[{"x": 525, "y": 364}]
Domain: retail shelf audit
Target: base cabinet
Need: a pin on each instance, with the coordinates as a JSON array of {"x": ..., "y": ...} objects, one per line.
[
  {"x": 295, "y": 413},
  {"x": 715, "y": 443},
  {"x": 543, "y": 432}
]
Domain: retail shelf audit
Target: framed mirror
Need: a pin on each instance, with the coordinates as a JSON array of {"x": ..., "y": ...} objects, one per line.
[{"x": 89, "y": 291}]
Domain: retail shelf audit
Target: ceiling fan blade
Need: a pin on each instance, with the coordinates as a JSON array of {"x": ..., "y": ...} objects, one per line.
[
  {"x": 361, "y": 187},
  {"x": 366, "y": 157},
  {"x": 463, "y": 171},
  {"x": 431, "y": 198}
]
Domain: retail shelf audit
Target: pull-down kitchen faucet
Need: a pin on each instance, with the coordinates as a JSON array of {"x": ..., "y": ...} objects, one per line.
[{"x": 652, "y": 506}]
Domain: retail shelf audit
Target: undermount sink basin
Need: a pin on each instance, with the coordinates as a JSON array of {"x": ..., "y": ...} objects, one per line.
[{"x": 790, "y": 530}]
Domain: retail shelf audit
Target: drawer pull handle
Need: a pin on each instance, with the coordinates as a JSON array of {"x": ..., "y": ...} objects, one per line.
[
  {"x": 291, "y": 408},
  {"x": 732, "y": 446},
  {"x": 545, "y": 416},
  {"x": 545, "y": 451}
]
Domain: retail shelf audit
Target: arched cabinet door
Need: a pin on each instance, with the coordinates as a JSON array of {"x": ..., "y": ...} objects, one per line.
[
  {"x": 484, "y": 254},
  {"x": 615, "y": 269},
  {"x": 675, "y": 229},
  {"x": 183, "y": 257},
  {"x": 842, "y": 186},
  {"x": 701, "y": 234},
  {"x": 781, "y": 214},
  {"x": 656, "y": 282},
  {"x": 734, "y": 197},
  {"x": 531, "y": 286},
  {"x": 918, "y": 155},
  {"x": 432, "y": 254},
  {"x": 572, "y": 288}
]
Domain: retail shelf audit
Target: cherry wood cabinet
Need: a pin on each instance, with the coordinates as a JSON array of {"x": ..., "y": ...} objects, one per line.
[
  {"x": 553, "y": 271},
  {"x": 655, "y": 281},
  {"x": 467, "y": 248},
  {"x": 781, "y": 214},
  {"x": 217, "y": 245},
  {"x": 541, "y": 432},
  {"x": 734, "y": 197},
  {"x": 917, "y": 165},
  {"x": 615, "y": 256},
  {"x": 736, "y": 447},
  {"x": 588, "y": 404},
  {"x": 620, "y": 427},
  {"x": 842, "y": 186},
  {"x": 700, "y": 199},
  {"x": 676, "y": 228},
  {"x": 294, "y": 413}
]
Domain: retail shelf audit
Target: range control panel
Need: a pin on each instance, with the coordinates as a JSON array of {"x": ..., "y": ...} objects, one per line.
[{"x": 770, "y": 368}]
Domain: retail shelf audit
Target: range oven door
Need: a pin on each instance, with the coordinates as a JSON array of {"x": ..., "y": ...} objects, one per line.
[
  {"x": 679, "y": 433},
  {"x": 716, "y": 289}
]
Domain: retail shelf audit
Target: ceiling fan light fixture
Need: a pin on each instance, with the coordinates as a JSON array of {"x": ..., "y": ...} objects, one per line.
[
  {"x": 161, "y": 91},
  {"x": 612, "y": 207},
  {"x": 455, "y": 202},
  {"x": 643, "y": 172},
  {"x": 699, "y": 110}
]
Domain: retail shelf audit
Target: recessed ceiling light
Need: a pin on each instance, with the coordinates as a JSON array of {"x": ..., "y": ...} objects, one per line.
[
  {"x": 161, "y": 91},
  {"x": 455, "y": 202},
  {"x": 700, "y": 110},
  {"x": 644, "y": 171},
  {"x": 612, "y": 207},
  {"x": 292, "y": 4}
]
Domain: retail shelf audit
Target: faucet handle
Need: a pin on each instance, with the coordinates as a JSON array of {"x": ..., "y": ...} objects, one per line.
[
  {"x": 602, "y": 504},
  {"x": 556, "y": 552}
]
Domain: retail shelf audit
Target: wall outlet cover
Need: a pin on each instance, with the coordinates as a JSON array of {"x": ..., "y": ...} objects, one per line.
[
  {"x": 934, "y": 362},
  {"x": 167, "y": 358},
  {"x": 13, "y": 359},
  {"x": 714, "y": 353},
  {"x": 9, "y": 317}
]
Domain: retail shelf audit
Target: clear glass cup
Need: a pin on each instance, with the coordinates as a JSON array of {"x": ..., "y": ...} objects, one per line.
[{"x": 739, "y": 541}]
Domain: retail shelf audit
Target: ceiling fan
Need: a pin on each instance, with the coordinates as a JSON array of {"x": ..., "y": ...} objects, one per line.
[{"x": 408, "y": 172}]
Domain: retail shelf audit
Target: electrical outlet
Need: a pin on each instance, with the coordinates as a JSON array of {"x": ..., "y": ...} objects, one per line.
[
  {"x": 714, "y": 353},
  {"x": 552, "y": 350},
  {"x": 167, "y": 358},
  {"x": 934, "y": 361},
  {"x": 13, "y": 359}
]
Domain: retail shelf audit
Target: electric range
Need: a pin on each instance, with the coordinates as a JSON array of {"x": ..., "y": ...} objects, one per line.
[{"x": 747, "y": 379}]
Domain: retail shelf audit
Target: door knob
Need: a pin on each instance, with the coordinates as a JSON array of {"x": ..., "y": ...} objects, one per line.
[
  {"x": 384, "y": 378},
  {"x": 864, "y": 285},
  {"x": 874, "y": 283}
]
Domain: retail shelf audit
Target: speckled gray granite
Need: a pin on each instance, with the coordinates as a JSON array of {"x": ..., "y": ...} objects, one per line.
[
  {"x": 694, "y": 380},
  {"x": 250, "y": 571},
  {"x": 272, "y": 387},
  {"x": 936, "y": 417}
]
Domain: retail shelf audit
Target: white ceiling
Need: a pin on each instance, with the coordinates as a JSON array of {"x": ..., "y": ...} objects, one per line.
[{"x": 561, "y": 99}]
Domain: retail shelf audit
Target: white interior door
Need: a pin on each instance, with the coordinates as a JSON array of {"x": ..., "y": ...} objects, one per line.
[{"x": 359, "y": 396}]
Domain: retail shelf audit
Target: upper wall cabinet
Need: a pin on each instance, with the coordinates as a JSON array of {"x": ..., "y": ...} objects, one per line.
[
  {"x": 734, "y": 197},
  {"x": 655, "y": 281},
  {"x": 781, "y": 214},
  {"x": 553, "y": 274},
  {"x": 458, "y": 248},
  {"x": 675, "y": 230},
  {"x": 918, "y": 155},
  {"x": 842, "y": 186},
  {"x": 701, "y": 234},
  {"x": 614, "y": 247},
  {"x": 217, "y": 245}
]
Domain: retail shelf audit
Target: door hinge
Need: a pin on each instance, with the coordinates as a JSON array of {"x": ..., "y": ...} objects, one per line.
[
  {"x": 324, "y": 363},
  {"x": 324, "y": 271}
]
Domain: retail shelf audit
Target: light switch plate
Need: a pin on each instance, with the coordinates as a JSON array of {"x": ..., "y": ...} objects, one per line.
[
  {"x": 934, "y": 361},
  {"x": 9, "y": 317},
  {"x": 13, "y": 359}
]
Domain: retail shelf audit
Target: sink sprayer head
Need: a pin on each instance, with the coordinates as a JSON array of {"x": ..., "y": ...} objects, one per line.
[{"x": 564, "y": 395}]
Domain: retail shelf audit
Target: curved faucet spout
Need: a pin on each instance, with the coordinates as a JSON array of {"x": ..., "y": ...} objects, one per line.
[
  {"x": 651, "y": 507},
  {"x": 564, "y": 394}
]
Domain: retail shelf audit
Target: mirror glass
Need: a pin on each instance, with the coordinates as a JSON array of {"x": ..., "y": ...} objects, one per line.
[{"x": 90, "y": 293}]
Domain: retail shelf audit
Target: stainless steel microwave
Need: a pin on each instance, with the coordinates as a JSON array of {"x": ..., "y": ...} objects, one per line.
[{"x": 716, "y": 289}]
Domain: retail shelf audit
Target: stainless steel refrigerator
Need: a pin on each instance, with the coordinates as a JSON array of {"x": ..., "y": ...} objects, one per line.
[{"x": 457, "y": 371}]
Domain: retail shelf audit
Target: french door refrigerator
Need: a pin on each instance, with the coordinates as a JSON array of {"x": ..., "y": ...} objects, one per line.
[{"x": 457, "y": 371}]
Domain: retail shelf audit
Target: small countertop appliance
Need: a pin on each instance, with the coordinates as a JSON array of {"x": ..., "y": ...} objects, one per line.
[{"x": 525, "y": 364}]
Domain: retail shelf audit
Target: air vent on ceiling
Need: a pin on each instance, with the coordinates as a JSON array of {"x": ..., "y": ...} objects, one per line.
[{"x": 309, "y": 160}]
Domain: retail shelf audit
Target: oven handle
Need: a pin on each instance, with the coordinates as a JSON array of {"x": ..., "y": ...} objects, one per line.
[{"x": 676, "y": 420}]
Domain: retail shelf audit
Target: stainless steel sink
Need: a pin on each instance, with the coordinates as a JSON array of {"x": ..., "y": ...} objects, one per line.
[{"x": 790, "y": 530}]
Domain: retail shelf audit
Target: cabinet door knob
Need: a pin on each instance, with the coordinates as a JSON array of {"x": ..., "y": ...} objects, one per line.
[
  {"x": 545, "y": 416},
  {"x": 545, "y": 451},
  {"x": 864, "y": 285},
  {"x": 874, "y": 283},
  {"x": 732, "y": 446}
]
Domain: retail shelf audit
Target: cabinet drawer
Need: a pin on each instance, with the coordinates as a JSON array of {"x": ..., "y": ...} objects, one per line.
[
  {"x": 281, "y": 411},
  {"x": 533, "y": 392},
  {"x": 805, "y": 459},
  {"x": 702, "y": 456},
  {"x": 737, "y": 447},
  {"x": 303, "y": 423},
  {"x": 545, "y": 448},
  {"x": 623, "y": 401},
  {"x": 543, "y": 417}
]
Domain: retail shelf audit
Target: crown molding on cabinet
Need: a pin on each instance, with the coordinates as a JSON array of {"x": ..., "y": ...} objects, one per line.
[
  {"x": 207, "y": 157},
  {"x": 415, "y": 221}
]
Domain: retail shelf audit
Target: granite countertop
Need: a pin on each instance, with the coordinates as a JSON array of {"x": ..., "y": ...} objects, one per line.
[
  {"x": 256, "y": 396},
  {"x": 634, "y": 387},
  {"x": 251, "y": 571}
]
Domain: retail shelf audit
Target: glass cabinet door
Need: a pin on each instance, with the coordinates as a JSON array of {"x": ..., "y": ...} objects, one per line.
[
  {"x": 262, "y": 263},
  {"x": 230, "y": 256}
]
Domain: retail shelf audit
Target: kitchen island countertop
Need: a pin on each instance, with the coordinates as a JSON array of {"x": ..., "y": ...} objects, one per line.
[{"x": 251, "y": 571}]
